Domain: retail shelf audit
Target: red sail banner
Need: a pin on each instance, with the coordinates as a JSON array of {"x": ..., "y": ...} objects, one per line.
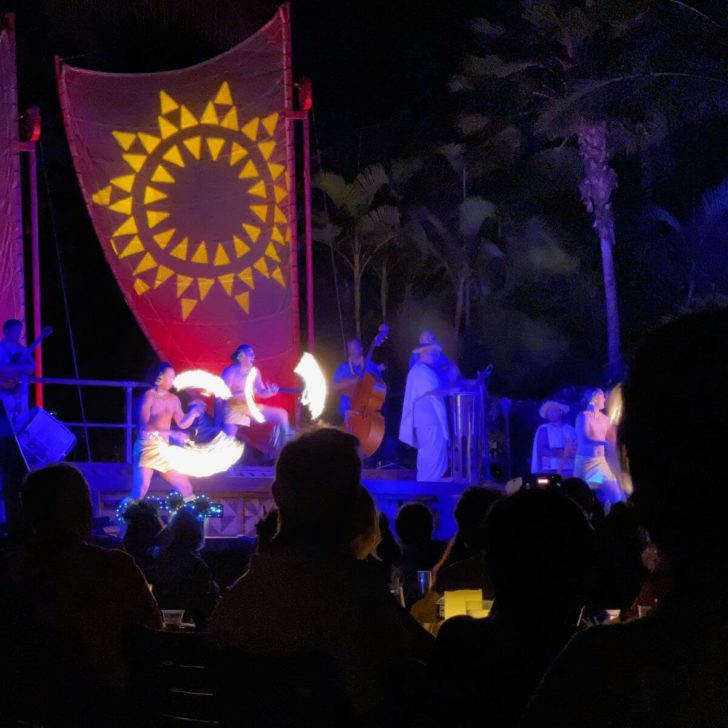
[
  {"x": 187, "y": 176},
  {"x": 12, "y": 288}
]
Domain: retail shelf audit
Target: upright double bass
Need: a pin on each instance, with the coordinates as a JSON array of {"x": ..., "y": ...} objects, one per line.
[{"x": 365, "y": 419}]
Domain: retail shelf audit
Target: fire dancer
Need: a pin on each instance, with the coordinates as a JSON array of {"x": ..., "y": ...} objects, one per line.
[{"x": 159, "y": 407}]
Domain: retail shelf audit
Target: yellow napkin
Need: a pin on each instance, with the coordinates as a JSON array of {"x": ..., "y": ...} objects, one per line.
[
  {"x": 455, "y": 601},
  {"x": 425, "y": 610}
]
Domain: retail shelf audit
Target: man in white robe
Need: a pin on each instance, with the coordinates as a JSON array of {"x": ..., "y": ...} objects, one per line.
[{"x": 424, "y": 417}]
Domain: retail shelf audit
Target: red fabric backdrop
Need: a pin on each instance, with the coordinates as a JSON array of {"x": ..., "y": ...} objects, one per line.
[
  {"x": 12, "y": 287},
  {"x": 188, "y": 178}
]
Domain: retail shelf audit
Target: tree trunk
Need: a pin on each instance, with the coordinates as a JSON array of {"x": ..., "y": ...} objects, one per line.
[
  {"x": 384, "y": 287},
  {"x": 596, "y": 189},
  {"x": 610, "y": 295},
  {"x": 467, "y": 302},
  {"x": 357, "y": 297},
  {"x": 459, "y": 304}
]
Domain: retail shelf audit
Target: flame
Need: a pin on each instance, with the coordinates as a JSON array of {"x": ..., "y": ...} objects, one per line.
[
  {"x": 201, "y": 461},
  {"x": 200, "y": 379},
  {"x": 315, "y": 389}
]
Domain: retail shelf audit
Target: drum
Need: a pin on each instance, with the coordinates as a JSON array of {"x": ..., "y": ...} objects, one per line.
[
  {"x": 43, "y": 439},
  {"x": 466, "y": 436}
]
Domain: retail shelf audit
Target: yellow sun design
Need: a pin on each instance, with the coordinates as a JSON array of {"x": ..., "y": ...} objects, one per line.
[{"x": 150, "y": 234}]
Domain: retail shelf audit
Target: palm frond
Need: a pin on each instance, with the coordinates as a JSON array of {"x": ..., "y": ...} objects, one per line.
[
  {"x": 382, "y": 221},
  {"x": 560, "y": 115},
  {"x": 472, "y": 213},
  {"x": 484, "y": 27},
  {"x": 471, "y": 123},
  {"x": 364, "y": 188},
  {"x": 401, "y": 171},
  {"x": 713, "y": 209},
  {"x": 454, "y": 153},
  {"x": 326, "y": 233},
  {"x": 333, "y": 185},
  {"x": 662, "y": 215},
  {"x": 491, "y": 65}
]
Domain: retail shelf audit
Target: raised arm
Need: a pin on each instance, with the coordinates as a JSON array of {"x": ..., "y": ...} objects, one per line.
[
  {"x": 182, "y": 420},
  {"x": 262, "y": 390}
]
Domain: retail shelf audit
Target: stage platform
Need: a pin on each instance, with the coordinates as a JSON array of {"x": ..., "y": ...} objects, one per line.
[{"x": 246, "y": 495}]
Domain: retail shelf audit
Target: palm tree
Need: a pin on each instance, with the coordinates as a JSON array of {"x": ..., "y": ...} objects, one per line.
[
  {"x": 596, "y": 190},
  {"x": 580, "y": 72},
  {"x": 696, "y": 230},
  {"x": 457, "y": 246},
  {"x": 356, "y": 228}
]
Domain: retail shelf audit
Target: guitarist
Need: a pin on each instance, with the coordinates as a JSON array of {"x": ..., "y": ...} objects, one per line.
[
  {"x": 15, "y": 363},
  {"x": 348, "y": 374}
]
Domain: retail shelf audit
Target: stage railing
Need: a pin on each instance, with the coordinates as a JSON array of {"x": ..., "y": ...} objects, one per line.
[{"x": 127, "y": 425}]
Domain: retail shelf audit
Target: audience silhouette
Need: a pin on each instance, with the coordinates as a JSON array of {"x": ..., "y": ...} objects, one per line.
[
  {"x": 669, "y": 668},
  {"x": 538, "y": 550},
  {"x": 462, "y": 566},
  {"x": 64, "y": 607},
  {"x": 420, "y": 552},
  {"x": 313, "y": 629},
  {"x": 182, "y": 578}
]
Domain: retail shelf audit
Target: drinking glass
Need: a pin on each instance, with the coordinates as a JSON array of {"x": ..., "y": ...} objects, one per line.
[{"x": 424, "y": 582}]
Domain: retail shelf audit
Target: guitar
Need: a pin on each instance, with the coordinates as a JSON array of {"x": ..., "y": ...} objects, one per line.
[
  {"x": 365, "y": 419},
  {"x": 11, "y": 382}
]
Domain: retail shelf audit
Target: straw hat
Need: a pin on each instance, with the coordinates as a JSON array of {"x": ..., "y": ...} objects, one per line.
[
  {"x": 548, "y": 404},
  {"x": 426, "y": 347}
]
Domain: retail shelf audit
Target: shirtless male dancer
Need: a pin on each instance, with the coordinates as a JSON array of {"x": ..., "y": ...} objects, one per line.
[
  {"x": 158, "y": 408},
  {"x": 237, "y": 413}
]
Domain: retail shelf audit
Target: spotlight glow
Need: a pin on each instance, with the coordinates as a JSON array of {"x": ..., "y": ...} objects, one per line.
[
  {"x": 201, "y": 461},
  {"x": 200, "y": 379},
  {"x": 249, "y": 389},
  {"x": 315, "y": 388}
]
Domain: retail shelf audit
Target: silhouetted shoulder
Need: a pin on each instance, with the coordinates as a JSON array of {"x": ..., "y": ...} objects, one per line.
[{"x": 642, "y": 673}]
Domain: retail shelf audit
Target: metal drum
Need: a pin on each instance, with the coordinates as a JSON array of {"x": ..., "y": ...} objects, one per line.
[{"x": 466, "y": 435}]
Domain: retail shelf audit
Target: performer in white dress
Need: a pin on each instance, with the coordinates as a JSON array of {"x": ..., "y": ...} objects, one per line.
[
  {"x": 424, "y": 417},
  {"x": 595, "y": 434},
  {"x": 236, "y": 412},
  {"x": 554, "y": 444}
]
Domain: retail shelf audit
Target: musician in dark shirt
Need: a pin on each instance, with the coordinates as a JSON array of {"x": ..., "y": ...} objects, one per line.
[
  {"x": 15, "y": 363},
  {"x": 349, "y": 373}
]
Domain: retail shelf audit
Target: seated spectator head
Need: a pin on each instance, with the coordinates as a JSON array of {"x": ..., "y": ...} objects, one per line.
[
  {"x": 266, "y": 530},
  {"x": 539, "y": 548},
  {"x": 143, "y": 528},
  {"x": 674, "y": 427},
  {"x": 188, "y": 530},
  {"x": 368, "y": 535},
  {"x": 414, "y": 524},
  {"x": 57, "y": 502},
  {"x": 585, "y": 498},
  {"x": 316, "y": 488},
  {"x": 470, "y": 513}
]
